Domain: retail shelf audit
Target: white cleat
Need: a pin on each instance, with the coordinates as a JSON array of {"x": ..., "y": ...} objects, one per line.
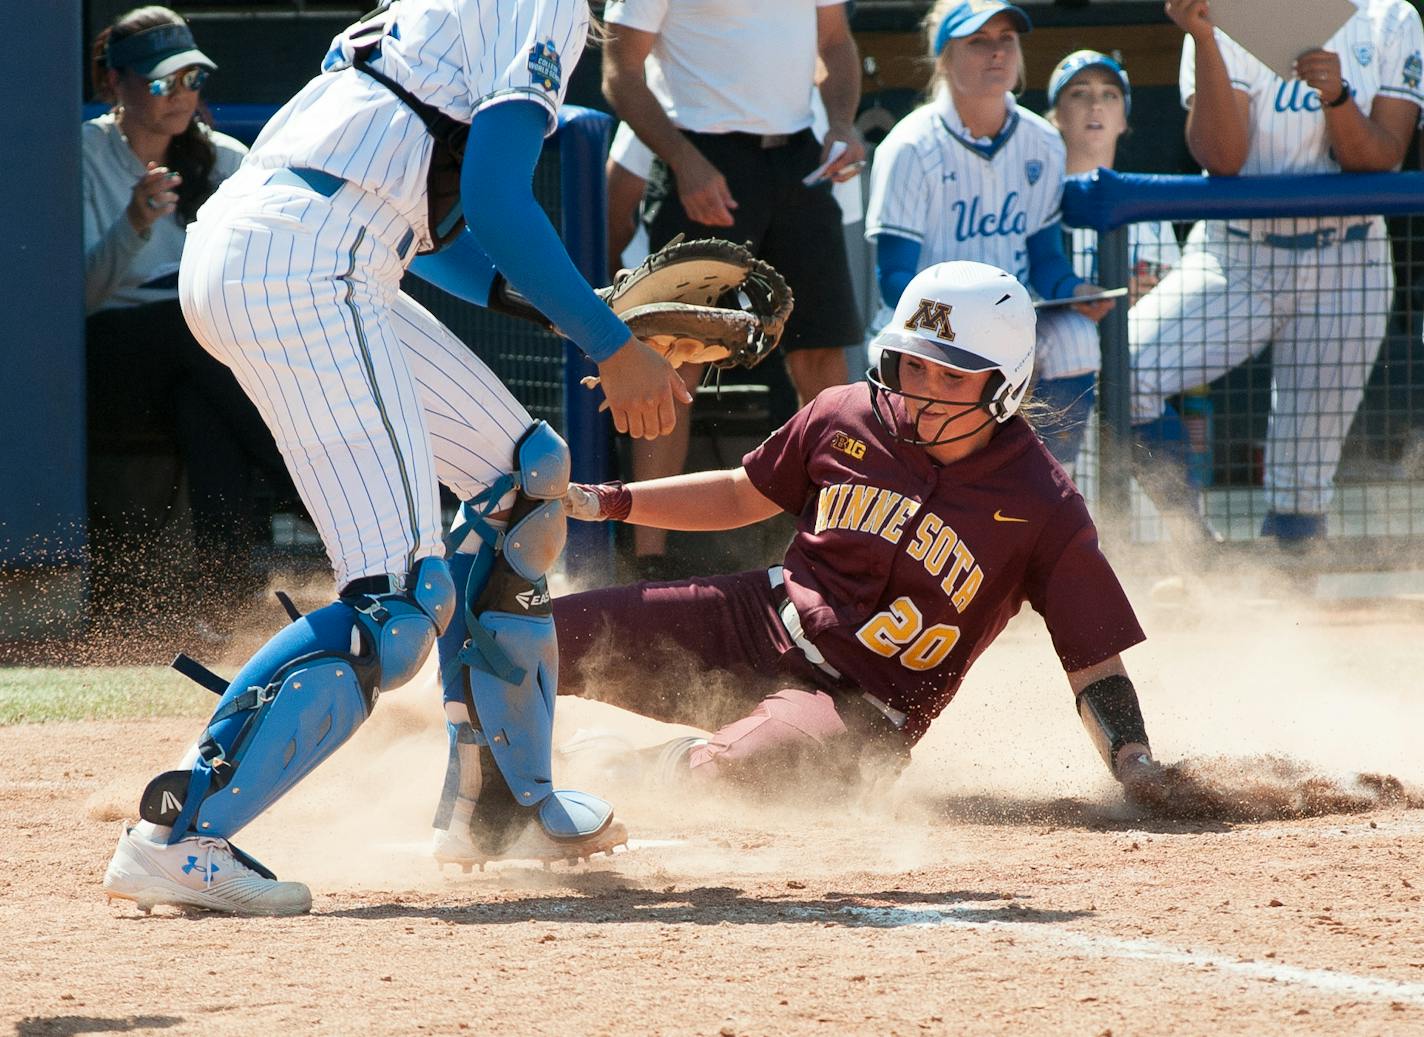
[
  {"x": 199, "y": 872},
  {"x": 458, "y": 848}
]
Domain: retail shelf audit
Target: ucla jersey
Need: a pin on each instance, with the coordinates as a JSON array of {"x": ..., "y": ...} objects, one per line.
[
  {"x": 963, "y": 197},
  {"x": 458, "y": 55},
  {"x": 1380, "y": 51}
]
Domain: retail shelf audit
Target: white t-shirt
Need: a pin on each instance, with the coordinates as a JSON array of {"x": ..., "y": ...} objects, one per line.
[
  {"x": 460, "y": 56},
  {"x": 722, "y": 66},
  {"x": 120, "y": 267},
  {"x": 1380, "y": 54},
  {"x": 963, "y": 198}
]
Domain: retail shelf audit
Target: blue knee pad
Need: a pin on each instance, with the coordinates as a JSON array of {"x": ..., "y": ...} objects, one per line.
[
  {"x": 299, "y": 699},
  {"x": 500, "y": 655},
  {"x": 1072, "y": 398}
]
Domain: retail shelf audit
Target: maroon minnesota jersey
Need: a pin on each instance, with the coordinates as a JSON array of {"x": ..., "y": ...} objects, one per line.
[{"x": 905, "y": 570}]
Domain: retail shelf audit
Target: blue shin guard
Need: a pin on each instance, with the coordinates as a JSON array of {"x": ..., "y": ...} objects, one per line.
[
  {"x": 500, "y": 655},
  {"x": 299, "y": 699}
]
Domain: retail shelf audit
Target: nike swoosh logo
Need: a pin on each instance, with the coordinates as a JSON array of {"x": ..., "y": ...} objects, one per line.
[{"x": 999, "y": 516}]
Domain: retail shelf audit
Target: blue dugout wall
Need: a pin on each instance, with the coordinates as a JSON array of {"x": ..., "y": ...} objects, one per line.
[{"x": 41, "y": 267}]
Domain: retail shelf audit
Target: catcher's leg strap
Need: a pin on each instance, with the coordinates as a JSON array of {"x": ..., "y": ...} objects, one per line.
[
  {"x": 500, "y": 656},
  {"x": 300, "y": 698}
]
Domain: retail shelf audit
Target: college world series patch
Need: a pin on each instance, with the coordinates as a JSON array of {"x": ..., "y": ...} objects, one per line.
[{"x": 544, "y": 64}]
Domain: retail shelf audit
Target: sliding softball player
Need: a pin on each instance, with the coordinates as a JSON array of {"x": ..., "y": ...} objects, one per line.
[{"x": 927, "y": 514}]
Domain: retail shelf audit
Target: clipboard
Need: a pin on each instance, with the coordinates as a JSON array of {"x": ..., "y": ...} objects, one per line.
[
  {"x": 1276, "y": 32},
  {"x": 1106, "y": 293}
]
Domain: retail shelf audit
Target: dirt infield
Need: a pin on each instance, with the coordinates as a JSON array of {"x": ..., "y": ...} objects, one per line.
[{"x": 1001, "y": 887}]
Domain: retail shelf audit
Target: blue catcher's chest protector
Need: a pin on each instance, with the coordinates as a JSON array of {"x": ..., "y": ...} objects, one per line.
[
  {"x": 300, "y": 698},
  {"x": 500, "y": 654}
]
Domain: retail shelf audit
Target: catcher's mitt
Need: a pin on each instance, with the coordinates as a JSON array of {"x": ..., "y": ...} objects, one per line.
[{"x": 706, "y": 301}]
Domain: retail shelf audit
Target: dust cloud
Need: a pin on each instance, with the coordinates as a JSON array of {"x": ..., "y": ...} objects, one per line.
[{"x": 1281, "y": 708}]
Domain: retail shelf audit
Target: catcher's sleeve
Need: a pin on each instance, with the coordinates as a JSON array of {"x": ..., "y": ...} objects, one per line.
[
  {"x": 462, "y": 269},
  {"x": 503, "y": 147}
]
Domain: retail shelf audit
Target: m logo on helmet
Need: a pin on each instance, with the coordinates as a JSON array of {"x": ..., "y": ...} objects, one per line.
[{"x": 934, "y": 318}]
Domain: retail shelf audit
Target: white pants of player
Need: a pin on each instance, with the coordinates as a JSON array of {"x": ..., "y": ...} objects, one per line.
[
  {"x": 370, "y": 399},
  {"x": 1323, "y": 310},
  {"x": 1067, "y": 344}
]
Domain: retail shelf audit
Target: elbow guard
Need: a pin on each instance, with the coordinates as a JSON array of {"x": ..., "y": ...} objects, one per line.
[{"x": 1109, "y": 711}]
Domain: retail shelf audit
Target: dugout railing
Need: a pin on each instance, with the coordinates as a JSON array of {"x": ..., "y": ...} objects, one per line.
[{"x": 1376, "y": 497}]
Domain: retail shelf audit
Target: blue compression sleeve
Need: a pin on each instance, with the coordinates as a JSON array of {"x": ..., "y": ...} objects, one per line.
[
  {"x": 462, "y": 269},
  {"x": 1049, "y": 271},
  {"x": 897, "y": 260},
  {"x": 514, "y": 232}
]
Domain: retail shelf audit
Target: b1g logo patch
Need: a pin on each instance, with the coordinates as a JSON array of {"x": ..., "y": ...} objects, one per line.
[
  {"x": 933, "y": 317},
  {"x": 1413, "y": 70},
  {"x": 544, "y": 64},
  {"x": 1033, "y": 169},
  {"x": 847, "y": 445}
]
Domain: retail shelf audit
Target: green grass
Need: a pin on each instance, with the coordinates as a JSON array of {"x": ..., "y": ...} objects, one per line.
[{"x": 40, "y": 695}]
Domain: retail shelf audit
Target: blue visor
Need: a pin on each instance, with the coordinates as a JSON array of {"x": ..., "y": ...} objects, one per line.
[
  {"x": 157, "y": 52},
  {"x": 1080, "y": 60},
  {"x": 969, "y": 17}
]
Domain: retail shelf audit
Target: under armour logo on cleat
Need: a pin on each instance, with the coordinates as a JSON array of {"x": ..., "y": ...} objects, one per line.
[{"x": 203, "y": 870}]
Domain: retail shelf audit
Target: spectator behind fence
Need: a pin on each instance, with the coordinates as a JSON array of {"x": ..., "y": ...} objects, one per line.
[
  {"x": 971, "y": 175},
  {"x": 1318, "y": 290},
  {"x": 1089, "y": 102},
  {"x": 149, "y": 163},
  {"x": 733, "y": 149}
]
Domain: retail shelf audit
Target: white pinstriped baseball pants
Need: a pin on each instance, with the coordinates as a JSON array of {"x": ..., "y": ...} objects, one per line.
[
  {"x": 1067, "y": 344},
  {"x": 370, "y": 399},
  {"x": 1322, "y": 310}
]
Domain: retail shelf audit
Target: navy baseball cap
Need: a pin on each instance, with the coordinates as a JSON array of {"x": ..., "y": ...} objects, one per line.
[
  {"x": 969, "y": 17},
  {"x": 157, "y": 52},
  {"x": 1084, "y": 59}
]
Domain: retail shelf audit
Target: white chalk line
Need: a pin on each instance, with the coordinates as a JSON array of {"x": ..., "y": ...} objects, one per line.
[{"x": 936, "y": 915}]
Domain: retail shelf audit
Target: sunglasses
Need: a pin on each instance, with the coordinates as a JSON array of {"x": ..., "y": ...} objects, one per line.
[{"x": 193, "y": 79}]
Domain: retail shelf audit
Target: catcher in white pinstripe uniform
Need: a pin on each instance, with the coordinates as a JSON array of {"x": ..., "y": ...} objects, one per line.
[
  {"x": 971, "y": 175},
  {"x": 291, "y": 276},
  {"x": 1318, "y": 291}
]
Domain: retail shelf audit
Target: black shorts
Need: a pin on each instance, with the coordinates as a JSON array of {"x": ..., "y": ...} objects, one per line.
[{"x": 795, "y": 228}]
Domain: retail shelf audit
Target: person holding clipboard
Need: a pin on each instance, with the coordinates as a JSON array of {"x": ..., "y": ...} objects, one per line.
[{"x": 1318, "y": 290}]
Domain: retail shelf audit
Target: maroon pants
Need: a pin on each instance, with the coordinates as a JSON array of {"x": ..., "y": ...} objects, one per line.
[{"x": 711, "y": 652}]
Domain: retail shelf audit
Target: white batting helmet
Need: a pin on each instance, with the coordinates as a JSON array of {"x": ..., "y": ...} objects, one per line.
[{"x": 968, "y": 317}]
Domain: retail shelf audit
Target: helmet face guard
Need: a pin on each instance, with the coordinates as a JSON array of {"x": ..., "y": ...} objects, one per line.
[
  {"x": 999, "y": 401},
  {"x": 903, "y": 421}
]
